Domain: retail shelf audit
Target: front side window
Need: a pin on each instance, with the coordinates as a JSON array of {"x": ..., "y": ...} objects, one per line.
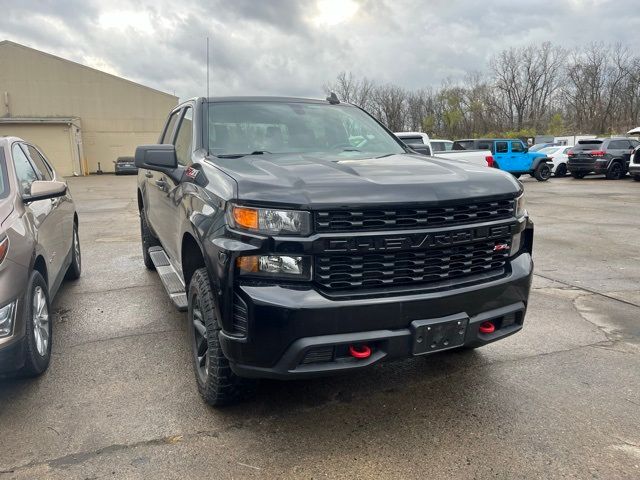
[
  {"x": 502, "y": 147},
  {"x": 40, "y": 163},
  {"x": 516, "y": 147},
  {"x": 184, "y": 138},
  {"x": 241, "y": 128},
  {"x": 24, "y": 170},
  {"x": 167, "y": 136}
]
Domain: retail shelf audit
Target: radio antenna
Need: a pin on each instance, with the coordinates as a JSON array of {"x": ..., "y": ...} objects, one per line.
[{"x": 207, "y": 100}]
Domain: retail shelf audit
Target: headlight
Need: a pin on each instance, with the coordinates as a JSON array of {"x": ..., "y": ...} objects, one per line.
[
  {"x": 275, "y": 266},
  {"x": 520, "y": 206},
  {"x": 6, "y": 320},
  {"x": 270, "y": 221}
]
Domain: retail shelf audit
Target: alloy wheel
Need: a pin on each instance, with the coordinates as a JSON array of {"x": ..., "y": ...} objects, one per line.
[
  {"x": 40, "y": 321},
  {"x": 200, "y": 341}
]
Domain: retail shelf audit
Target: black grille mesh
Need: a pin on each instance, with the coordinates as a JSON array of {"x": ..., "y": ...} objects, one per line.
[
  {"x": 408, "y": 218},
  {"x": 371, "y": 270}
]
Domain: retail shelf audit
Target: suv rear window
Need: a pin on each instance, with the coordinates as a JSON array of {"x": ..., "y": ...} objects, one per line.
[
  {"x": 588, "y": 144},
  {"x": 412, "y": 140}
]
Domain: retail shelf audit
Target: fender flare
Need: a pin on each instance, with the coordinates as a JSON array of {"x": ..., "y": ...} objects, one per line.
[{"x": 536, "y": 162}]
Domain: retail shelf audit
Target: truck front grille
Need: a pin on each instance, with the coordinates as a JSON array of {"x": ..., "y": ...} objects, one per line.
[
  {"x": 372, "y": 270},
  {"x": 409, "y": 218}
]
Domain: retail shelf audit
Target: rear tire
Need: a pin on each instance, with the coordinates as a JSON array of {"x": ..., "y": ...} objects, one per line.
[
  {"x": 578, "y": 175},
  {"x": 148, "y": 241},
  {"x": 542, "y": 172},
  {"x": 615, "y": 171},
  {"x": 75, "y": 269},
  {"x": 561, "y": 170},
  {"x": 38, "y": 337},
  {"x": 636, "y": 178},
  {"x": 217, "y": 383}
]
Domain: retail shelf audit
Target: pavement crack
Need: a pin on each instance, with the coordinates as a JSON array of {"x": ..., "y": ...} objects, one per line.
[{"x": 117, "y": 337}]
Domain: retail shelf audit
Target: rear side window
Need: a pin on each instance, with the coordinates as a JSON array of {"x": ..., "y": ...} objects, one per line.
[
  {"x": 24, "y": 170},
  {"x": 184, "y": 138},
  {"x": 438, "y": 146},
  {"x": 40, "y": 163},
  {"x": 501, "y": 147},
  {"x": 618, "y": 144},
  {"x": 516, "y": 147},
  {"x": 484, "y": 146},
  {"x": 167, "y": 135}
]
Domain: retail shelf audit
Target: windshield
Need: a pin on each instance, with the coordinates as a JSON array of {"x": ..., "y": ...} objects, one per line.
[
  {"x": 244, "y": 128},
  {"x": 550, "y": 150}
]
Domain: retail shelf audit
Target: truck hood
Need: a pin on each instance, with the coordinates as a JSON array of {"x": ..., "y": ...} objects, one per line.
[{"x": 306, "y": 180}]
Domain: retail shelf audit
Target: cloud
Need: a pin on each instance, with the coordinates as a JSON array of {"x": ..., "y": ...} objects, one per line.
[{"x": 292, "y": 47}]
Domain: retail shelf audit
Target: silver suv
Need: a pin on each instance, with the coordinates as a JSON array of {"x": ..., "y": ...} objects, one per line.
[{"x": 39, "y": 247}]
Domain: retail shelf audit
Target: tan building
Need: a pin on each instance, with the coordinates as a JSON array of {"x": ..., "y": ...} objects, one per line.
[{"x": 79, "y": 116}]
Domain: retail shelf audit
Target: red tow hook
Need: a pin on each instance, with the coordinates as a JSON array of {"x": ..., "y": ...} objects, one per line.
[
  {"x": 360, "y": 351},
  {"x": 487, "y": 327}
]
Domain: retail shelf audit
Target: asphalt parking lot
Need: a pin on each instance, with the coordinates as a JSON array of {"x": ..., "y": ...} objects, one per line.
[{"x": 559, "y": 400}]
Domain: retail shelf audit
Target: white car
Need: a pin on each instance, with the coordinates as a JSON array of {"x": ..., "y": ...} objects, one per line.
[
  {"x": 421, "y": 143},
  {"x": 558, "y": 156}
]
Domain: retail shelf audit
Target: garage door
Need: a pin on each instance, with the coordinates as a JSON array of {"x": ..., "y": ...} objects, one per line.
[{"x": 53, "y": 139}]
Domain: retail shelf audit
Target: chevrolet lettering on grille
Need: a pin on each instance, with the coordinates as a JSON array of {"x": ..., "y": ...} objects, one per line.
[{"x": 416, "y": 240}]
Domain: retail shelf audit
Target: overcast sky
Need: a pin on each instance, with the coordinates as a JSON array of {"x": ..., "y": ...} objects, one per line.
[{"x": 293, "y": 47}]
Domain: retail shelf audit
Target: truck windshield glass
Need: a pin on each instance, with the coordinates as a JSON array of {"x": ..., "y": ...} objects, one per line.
[{"x": 244, "y": 128}]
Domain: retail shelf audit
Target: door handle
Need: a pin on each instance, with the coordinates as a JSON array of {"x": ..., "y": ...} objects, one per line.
[
  {"x": 161, "y": 184},
  {"x": 148, "y": 174}
]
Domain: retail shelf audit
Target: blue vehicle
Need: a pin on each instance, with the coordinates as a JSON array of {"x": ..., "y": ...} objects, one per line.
[{"x": 511, "y": 155}]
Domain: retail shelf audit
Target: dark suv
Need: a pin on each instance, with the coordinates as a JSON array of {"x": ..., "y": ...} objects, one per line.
[
  {"x": 607, "y": 156},
  {"x": 303, "y": 239}
]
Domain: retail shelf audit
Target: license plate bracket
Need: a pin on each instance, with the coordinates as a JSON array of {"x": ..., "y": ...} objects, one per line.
[{"x": 439, "y": 334}]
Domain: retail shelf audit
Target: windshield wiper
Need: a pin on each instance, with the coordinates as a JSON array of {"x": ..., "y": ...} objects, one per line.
[{"x": 240, "y": 155}]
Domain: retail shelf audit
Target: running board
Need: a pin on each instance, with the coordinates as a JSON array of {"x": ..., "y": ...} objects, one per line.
[{"x": 169, "y": 277}]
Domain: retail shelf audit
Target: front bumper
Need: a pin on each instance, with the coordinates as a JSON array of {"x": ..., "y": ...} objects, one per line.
[{"x": 288, "y": 324}]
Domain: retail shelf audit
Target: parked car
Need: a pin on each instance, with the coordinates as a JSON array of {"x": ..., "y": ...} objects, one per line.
[
  {"x": 603, "y": 156},
  {"x": 124, "y": 165},
  {"x": 297, "y": 253},
  {"x": 559, "y": 158},
  {"x": 441, "y": 145},
  {"x": 512, "y": 156},
  {"x": 39, "y": 247},
  {"x": 421, "y": 143}
]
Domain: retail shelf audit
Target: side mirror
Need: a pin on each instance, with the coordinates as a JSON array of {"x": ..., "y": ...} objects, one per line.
[
  {"x": 161, "y": 158},
  {"x": 156, "y": 157},
  {"x": 526, "y": 149},
  {"x": 42, "y": 190}
]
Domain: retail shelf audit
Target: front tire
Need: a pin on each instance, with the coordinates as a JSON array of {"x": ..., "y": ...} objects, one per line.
[
  {"x": 38, "y": 337},
  {"x": 561, "y": 170},
  {"x": 217, "y": 383},
  {"x": 542, "y": 172},
  {"x": 148, "y": 240},
  {"x": 75, "y": 269}
]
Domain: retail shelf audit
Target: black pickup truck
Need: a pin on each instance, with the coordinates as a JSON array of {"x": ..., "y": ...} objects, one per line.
[{"x": 304, "y": 239}]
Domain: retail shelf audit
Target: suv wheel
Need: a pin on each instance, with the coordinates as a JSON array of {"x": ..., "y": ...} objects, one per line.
[
  {"x": 75, "y": 269},
  {"x": 542, "y": 172},
  {"x": 217, "y": 383},
  {"x": 615, "y": 171},
  {"x": 148, "y": 241},
  {"x": 39, "y": 327},
  {"x": 578, "y": 175},
  {"x": 636, "y": 178},
  {"x": 561, "y": 170}
]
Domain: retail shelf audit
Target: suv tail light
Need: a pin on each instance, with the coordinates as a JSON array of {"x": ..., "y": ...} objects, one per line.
[
  {"x": 490, "y": 161},
  {"x": 596, "y": 153},
  {"x": 4, "y": 247},
  {"x": 570, "y": 153}
]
